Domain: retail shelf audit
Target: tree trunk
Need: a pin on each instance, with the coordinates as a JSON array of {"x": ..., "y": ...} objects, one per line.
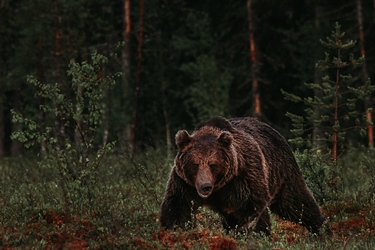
[
  {"x": 256, "y": 103},
  {"x": 138, "y": 82},
  {"x": 125, "y": 134},
  {"x": 60, "y": 130},
  {"x": 126, "y": 47},
  {"x": 105, "y": 119},
  {"x": 370, "y": 128},
  {"x": 166, "y": 121},
  {"x": 2, "y": 126},
  {"x": 335, "y": 131},
  {"x": 2, "y": 97},
  {"x": 365, "y": 75},
  {"x": 164, "y": 87}
]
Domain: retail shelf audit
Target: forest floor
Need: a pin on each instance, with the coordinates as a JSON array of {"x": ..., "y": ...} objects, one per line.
[
  {"x": 50, "y": 229},
  {"x": 121, "y": 211}
]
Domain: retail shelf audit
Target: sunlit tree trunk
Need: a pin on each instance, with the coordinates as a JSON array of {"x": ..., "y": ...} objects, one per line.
[
  {"x": 126, "y": 48},
  {"x": 256, "y": 103},
  {"x": 138, "y": 84},
  {"x": 365, "y": 75},
  {"x": 125, "y": 134}
]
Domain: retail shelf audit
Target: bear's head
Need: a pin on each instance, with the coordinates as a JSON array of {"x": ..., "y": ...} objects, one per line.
[{"x": 207, "y": 159}]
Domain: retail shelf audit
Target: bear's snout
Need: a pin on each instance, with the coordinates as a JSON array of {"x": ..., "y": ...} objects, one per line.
[
  {"x": 206, "y": 188},
  {"x": 204, "y": 182}
]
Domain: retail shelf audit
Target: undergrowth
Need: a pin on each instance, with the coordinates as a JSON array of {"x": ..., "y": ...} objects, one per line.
[
  {"x": 123, "y": 211},
  {"x": 78, "y": 195}
]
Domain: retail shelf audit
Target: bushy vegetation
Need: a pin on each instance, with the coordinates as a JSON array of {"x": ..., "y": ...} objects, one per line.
[
  {"x": 123, "y": 210},
  {"x": 38, "y": 211},
  {"x": 76, "y": 194}
]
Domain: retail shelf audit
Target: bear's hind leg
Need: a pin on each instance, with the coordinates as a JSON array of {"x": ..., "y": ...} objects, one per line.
[
  {"x": 264, "y": 224},
  {"x": 299, "y": 207}
]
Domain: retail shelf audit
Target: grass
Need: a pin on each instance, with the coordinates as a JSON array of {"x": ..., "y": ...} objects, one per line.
[{"x": 40, "y": 210}]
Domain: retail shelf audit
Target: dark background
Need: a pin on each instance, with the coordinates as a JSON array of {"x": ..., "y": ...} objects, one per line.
[{"x": 195, "y": 58}]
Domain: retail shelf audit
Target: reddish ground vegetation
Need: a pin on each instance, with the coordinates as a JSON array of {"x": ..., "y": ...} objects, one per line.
[
  {"x": 290, "y": 230},
  {"x": 216, "y": 242},
  {"x": 67, "y": 239},
  {"x": 358, "y": 221},
  {"x": 50, "y": 228},
  {"x": 63, "y": 231},
  {"x": 345, "y": 228}
]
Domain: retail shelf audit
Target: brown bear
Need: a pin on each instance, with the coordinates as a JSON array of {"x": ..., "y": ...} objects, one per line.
[{"x": 241, "y": 168}]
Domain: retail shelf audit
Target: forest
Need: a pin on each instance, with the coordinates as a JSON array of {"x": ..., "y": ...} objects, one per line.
[
  {"x": 181, "y": 62},
  {"x": 92, "y": 94}
]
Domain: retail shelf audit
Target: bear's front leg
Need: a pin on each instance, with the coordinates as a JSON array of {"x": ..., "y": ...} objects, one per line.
[
  {"x": 176, "y": 208},
  {"x": 229, "y": 222},
  {"x": 248, "y": 220}
]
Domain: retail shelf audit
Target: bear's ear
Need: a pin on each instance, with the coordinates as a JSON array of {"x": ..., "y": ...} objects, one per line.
[
  {"x": 182, "y": 139},
  {"x": 225, "y": 138}
]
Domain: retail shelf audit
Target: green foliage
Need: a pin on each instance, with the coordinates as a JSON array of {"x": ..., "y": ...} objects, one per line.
[
  {"x": 123, "y": 212},
  {"x": 124, "y": 203},
  {"x": 336, "y": 184},
  {"x": 195, "y": 57},
  {"x": 192, "y": 49},
  {"x": 207, "y": 92},
  {"x": 81, "y": 114},
  {"x": 320, "y": 177},
  {"x": 337, "y": 104}
]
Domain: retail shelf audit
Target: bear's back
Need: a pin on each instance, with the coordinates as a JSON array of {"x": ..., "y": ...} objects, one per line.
[
  {"x": 270, "y": 141},
  {"x": 217, "y": 122},
  {"x": 273, "y": 145},
  {"x": 260, "y": 131}
]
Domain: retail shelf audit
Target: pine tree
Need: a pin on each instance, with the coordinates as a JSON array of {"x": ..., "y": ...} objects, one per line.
[{"x": 337, "y": 109}]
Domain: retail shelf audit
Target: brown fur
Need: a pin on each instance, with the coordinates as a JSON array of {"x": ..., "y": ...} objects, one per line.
[{"x": 240, "y": 168}]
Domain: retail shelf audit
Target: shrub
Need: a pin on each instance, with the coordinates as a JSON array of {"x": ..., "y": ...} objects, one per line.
[{"x": 75, "y": 162}]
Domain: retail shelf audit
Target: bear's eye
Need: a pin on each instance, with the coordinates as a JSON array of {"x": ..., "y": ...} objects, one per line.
[
  {"x": 194, "y": 165},
  {"x": 213, "y": 166}
]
